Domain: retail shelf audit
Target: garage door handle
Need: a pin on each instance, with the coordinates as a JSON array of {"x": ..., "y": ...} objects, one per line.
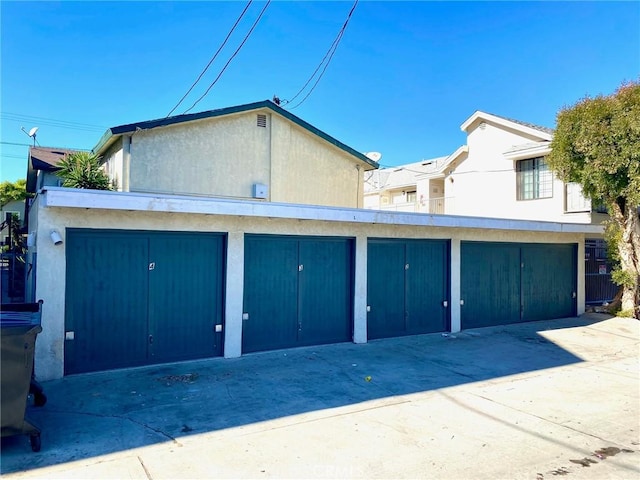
[{"x": 150, "y": 338}]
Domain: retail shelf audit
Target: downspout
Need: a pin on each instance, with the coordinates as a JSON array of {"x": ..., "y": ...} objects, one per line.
[
  {"x": 270, "y": 154},
  {"x": 126, "y": 162},
  {"x": 360, "y": 181}
]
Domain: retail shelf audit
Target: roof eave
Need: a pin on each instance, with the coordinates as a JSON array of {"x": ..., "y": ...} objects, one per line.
[
  {"x": 479, "y": 115},
  {"x": 113, "y": 133},
  {"x": 105, "y": 142},
  {"x": 535, "y": 151}
]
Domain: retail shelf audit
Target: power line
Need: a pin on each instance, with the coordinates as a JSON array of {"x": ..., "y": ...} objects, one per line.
[
  {"x": 329, "y": 54},
  {"x": 212, "y": 58},
  {"x": 231, "y": 58},
  {"x": 18, "y": 144},
  {"x": 16, "y": 117}
]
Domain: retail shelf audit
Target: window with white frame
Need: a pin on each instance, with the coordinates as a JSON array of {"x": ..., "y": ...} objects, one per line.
[
  {"x": 534, "y": 178},
  {"x": 575, "y": 200}
]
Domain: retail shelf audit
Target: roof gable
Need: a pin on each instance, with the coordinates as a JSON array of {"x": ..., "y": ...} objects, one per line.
[
  {"x": 542, "y": 133},
  {"x": 45, "y": 159},
  {"x": 113, "y": 133}
]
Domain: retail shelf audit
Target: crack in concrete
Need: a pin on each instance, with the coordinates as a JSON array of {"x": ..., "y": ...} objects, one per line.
[
  {"x": 146, "y": 470},
  {"x": 562, "y": 425}
]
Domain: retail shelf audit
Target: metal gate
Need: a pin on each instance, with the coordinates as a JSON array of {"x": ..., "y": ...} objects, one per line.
[
  {"x": 137, "y": 298},
  {"x": 599, "y": 288},
  {"x": 297, "y": 291},
  {"x": 13, "y": 272}
]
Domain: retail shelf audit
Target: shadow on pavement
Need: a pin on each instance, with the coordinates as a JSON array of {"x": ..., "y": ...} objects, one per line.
[{"x": 96, "y": 414}]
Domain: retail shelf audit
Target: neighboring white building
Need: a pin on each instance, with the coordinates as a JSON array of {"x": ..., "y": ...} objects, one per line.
[{"x": 499, "y": 173}]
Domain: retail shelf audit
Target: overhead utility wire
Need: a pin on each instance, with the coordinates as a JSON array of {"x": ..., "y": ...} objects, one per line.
[
  {"x": 231, "y": 58},
  {"x": 14, "y": 117},
  {"x": 329, "y": 54},
  {"x": 212, "y": 58}
]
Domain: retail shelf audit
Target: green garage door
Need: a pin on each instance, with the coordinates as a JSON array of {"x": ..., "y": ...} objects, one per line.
[
  {"x": 504, "y": 283},
  {"x": 407, "y": 287},
  {"x": 138, "y": 298},
  {"x": 297, "y": 291}
]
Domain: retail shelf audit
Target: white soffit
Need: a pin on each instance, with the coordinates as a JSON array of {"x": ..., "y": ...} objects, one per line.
[{"x": 59, "y": 197}]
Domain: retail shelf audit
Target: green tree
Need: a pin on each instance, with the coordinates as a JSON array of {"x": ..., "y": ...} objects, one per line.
[
  {"x": 83, "y": 170},
  {"x": 11, "y": 191},
  {"x": 597, "y": 144}
]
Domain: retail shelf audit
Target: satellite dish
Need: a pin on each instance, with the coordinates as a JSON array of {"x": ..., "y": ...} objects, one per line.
[
  {"x": 32, "y": 132},
  {"x": 374, "y": 156}
]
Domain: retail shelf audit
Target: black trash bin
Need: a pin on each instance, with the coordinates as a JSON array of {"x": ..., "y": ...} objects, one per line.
[{"x": 19, "y": 326}]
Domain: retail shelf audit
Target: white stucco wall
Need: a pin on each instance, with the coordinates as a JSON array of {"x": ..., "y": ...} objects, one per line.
[
  {"x": 67, "y": 208},
  {"x": 485, "y": 183},
  {"x": 225, "y": 156},
  {"x": 113, "y": 164},
  {"x": 308, "y": 170},
  {"x": 222, "y": 156}
]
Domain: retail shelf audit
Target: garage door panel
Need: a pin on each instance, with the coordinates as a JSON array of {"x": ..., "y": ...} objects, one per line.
[
  {"x": 548, "y": 281},
  {"x": 125, "y": 309},
  {"x": 106, "y": 301},
  {"x": 426, "y": 286},
  {"x": 512, "y": 282},
  {"x": 185, "y": 301},
  {"x": 270, "y": 293},
  {"x": 325, "y": 291},
  {"x": 385, "y": 289},
  {"x": 408, "y": 282},
  {"x": 490, "y": 284}
]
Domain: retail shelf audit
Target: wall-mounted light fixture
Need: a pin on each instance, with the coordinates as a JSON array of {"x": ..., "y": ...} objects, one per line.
[{"x": 56, "y": 238}]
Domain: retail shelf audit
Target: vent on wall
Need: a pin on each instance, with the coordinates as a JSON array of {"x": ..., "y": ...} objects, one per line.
[{"x": 261, "y": 120}]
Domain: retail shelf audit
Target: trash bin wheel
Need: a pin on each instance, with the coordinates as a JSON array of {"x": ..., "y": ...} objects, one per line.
[
  {"x": 39, "y": 399},
  {"x": 35, "y": 442}
]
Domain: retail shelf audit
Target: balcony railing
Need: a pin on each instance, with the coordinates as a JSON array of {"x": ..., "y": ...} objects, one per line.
[{"x": 432, "y": 205}]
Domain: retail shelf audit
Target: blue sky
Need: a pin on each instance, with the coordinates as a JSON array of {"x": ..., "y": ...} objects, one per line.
[{"x": 403, "y": 79}]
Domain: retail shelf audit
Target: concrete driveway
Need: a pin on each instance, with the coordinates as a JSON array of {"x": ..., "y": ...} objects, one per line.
[{"x": 531, "y": 401}]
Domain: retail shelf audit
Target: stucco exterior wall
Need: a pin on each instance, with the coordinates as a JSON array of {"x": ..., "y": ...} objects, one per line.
[
  {"x": 225, "y": 156},
  {"x": 50, "y": 284},
  {"x": 221, "y": 156},
  {"x": 485, "y": 183},
  {"x": 113, "y": 164},
  {"x": 308, "y": 170}
]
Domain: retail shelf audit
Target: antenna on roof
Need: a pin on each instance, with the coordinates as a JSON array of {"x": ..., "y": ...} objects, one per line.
[
  {"x": 373, "y": 156},
  {"x": 31, "y": 133}
]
